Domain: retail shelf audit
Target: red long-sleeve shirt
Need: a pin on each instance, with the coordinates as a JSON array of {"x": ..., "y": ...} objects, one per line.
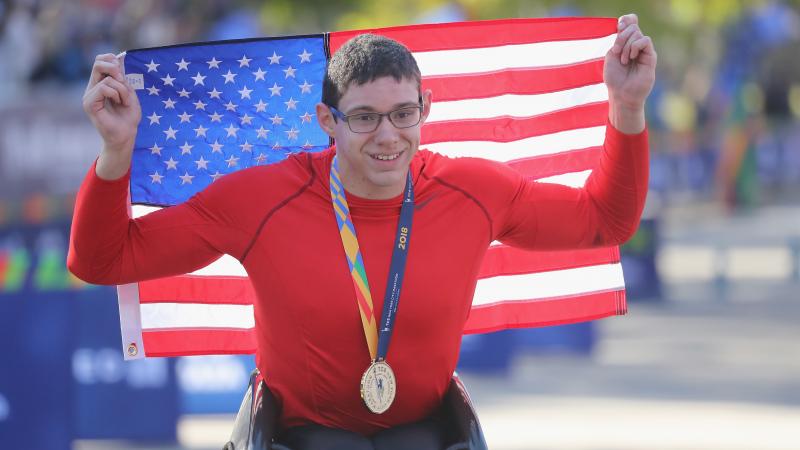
[{"x": 277, "y": 220}]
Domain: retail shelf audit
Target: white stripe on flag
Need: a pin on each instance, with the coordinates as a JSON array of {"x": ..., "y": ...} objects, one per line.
[
  {"x": 515, "y": 105},
  {"x": 489, "y": 59},
  {"x": 574, "y": 179},
  {"x": 531, "y": 147},
  {"x": 196, "y": 315},
  {"x": 142, "y": 210},
  {"x": 543, "y": 285},
  {"x": 227, "y": 265}
]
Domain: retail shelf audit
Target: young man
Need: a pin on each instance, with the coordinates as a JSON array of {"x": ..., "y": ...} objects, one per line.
[{"x": 325, "y": 235}]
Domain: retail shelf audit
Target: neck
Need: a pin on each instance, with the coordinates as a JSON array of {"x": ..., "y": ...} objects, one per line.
[
  {"x": 361, "y": 186},
  {"x": 364, "y": 189}
]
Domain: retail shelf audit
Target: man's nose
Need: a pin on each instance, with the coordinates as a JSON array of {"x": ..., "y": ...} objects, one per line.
[{"x": 386, "y": 132}]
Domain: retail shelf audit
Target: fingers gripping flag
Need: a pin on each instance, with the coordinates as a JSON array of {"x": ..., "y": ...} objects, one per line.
[{"x": 525, "y": 92}]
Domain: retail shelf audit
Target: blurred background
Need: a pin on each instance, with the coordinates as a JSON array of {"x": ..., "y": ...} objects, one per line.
[{"x": 708, "y": 357}]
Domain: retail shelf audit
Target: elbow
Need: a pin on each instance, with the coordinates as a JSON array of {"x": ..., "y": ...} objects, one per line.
[
  {"x": 618, "y": 234},
  {"x": 84, "y": 272}
]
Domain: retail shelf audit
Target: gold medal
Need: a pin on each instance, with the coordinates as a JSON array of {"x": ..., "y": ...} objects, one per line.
[{"x": 378, "y": 387}]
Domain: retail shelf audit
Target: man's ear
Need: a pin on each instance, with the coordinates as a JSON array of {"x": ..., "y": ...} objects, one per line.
[
  {"x": 427, "y": 97},
  {"x": 326, "y": 119}
]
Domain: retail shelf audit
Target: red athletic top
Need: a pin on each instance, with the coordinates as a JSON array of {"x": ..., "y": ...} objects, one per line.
[{"x": 278, "y": 221}]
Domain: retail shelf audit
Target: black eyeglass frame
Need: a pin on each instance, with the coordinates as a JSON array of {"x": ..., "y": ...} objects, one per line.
[{"x": 346, "y": 117}]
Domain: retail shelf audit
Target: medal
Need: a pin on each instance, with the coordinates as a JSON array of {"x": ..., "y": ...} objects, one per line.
[
  {"x": 378, "y": 387},
  {"x": 378, "y": 384}
]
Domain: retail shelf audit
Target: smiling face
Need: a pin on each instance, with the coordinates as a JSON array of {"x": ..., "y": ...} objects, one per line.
[{"x": 375, "y": 165}]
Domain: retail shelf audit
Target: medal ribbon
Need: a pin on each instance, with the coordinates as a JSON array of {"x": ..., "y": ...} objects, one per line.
[{"x": 378, "y": 346}]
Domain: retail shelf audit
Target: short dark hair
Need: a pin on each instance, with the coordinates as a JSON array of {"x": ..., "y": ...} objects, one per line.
[{"x": 365, "y": 58}]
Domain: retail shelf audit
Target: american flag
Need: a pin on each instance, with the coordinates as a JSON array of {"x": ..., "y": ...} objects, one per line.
[{"x": 527, "y": 92}]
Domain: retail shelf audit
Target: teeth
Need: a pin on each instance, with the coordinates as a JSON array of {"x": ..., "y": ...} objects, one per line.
[{"x": 386, "y": 157}]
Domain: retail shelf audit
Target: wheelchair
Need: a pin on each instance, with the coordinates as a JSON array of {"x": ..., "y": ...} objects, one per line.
[{"x": 256, "y": 424}]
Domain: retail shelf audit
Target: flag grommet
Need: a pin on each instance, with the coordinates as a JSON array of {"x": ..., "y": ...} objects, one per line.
[{"x": 133, "y": 350}]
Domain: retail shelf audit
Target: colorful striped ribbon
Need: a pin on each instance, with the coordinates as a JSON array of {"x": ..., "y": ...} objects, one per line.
[{"x": 354, "y": 259}]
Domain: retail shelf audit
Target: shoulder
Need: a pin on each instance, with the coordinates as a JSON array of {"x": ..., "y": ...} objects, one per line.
[{"x": 477, "y": 176}]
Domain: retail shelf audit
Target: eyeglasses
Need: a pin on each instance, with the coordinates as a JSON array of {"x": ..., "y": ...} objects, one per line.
[{"x": 368, "y": 122}]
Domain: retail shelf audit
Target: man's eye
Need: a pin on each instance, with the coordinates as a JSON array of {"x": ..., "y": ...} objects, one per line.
[{"x": 364, "y": 117}]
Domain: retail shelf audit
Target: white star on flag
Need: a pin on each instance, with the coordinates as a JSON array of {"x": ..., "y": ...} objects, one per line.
[
  {"x": 182, "y": 65},
  {"x": 153, "y": 90},
  {"x": 199, "y": 105},
  {"x": 260, "y": 106},
  {"x": 289, "y": 71},
  {"x": 246, "y": 147},
  {"x": 232, "y": 130},
  {"x": 156, "y": 177},
  {"x": 214, "y": 93},
  {"x": 232, "y": 161},
  {"x": 200, "y": 131},
  {"x": 168, "y": 80},
  {"x": 306, "y": 117},
  {"x": 292, "y": 133},
  {"x": 305, "y": 88},
  {"x": 216, "y": 117},
  {"x": 169, "y": 103},
  {"x": 260, "y": 158},
  {"x": 229, "y": 77},
  {"x": 246, "y": 120},
  {"x": 305, "y": 56},
  {"x": 201, "y": 163},
  {"x": 276, "y": 119},
  {"x": 186, "y": 178},
  {"x": 230, "y": 106},
  {"x": 213, "y": 64},
  {"x": 275, "y": 90},
  {"x": 186, "y": 148},
  {"x": 171, "y": 164},
  {"x": 154, "y": 118},
  {"x": 156, "y": 150},
  {"x": 291, "y": 104},
  {"x": 198, "y": 79},
  {"x": 170, "y": 132},
  {"x": 184, "y": 93},
  {"x": 216, "y": 147},
  {"x": 245, "y": 93},
  {"x": 245, "y": 61},
  {"x": 262, "y": 132},
  {"x": 152, "y": 67},
  {"x": 259, "y": 74},
  {"x": 275, "y": 58},
  {"x": 185, "y": 117},
  {"x": 215, "y": 175}
]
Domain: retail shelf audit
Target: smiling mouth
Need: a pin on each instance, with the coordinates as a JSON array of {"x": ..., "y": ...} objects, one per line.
[{"x": 391, "y": 157}]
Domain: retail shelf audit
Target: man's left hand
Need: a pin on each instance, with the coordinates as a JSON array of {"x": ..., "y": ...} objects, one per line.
[{"x": 629, "y": 71}]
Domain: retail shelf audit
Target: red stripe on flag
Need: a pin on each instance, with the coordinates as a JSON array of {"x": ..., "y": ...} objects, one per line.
[
  {"x": 504, "y": 260},
  {"x": 507, "y": 129},
  {"x": 187, "y": 342},
  {"x": 559, "y": 311},
  {"x": 489, "y": 33},
  {"x": 196, "y": 289},
  {"x": 559, "y": 163},
  {"x": 514, "y": 81}
]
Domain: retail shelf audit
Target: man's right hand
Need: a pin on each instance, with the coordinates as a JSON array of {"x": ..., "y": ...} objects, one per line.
[{"x": 112, "y": 105}]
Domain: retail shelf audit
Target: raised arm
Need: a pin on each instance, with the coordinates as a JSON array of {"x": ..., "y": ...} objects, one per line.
[
  {"x": 607, "y": 210},
  {"x": 629, "y": 72},
  {"x": 106, "y": 246}
]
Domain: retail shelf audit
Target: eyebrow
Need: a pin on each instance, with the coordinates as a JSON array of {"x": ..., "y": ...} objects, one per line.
[{"x": 366, "y": 108}]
